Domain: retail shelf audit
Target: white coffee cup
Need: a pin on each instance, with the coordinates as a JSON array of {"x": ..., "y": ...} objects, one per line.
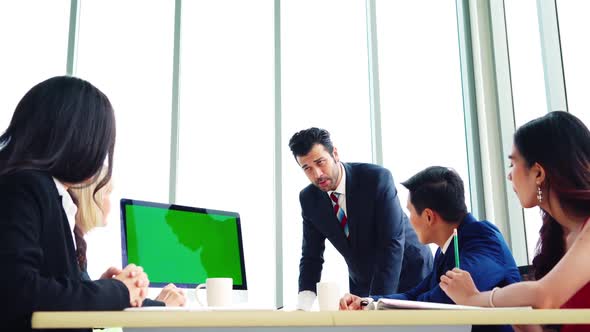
[
  {"x": 219, "y": 292},
  {"x": 328, "y": 296}
]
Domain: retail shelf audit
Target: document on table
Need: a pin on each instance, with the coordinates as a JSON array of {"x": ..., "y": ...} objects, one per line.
[{"x": 389, "y": 304}]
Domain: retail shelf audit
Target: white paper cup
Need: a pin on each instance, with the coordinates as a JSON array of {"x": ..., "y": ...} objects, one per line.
[
  {"x": 219, "y": 292},
  {"x": 328, "y": 296}
]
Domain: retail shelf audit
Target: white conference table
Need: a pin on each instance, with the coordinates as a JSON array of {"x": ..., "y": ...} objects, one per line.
[{"x": 405, "y": 320}]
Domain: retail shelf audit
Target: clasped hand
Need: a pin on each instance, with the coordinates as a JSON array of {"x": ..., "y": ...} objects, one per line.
[{"x": 134, "y": 278}]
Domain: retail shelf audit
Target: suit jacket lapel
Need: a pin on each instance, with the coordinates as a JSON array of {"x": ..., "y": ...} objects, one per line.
[
  {"x": 351, "y": 205},
  {"x": 439, "y": 263}
]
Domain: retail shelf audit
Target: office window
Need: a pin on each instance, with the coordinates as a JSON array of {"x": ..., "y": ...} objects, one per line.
[
  {"x": 125, "y": 49},
  {"x": 325, "y": 84},
  {"x": 528, "y": 84},
  {"x": 421, "y": 100},
  {"x": 526, "y": 63},
  {"x": 573, "y": 31},
  {"x": 34, "y": 39},
  {"x": 226, "y": 117}
]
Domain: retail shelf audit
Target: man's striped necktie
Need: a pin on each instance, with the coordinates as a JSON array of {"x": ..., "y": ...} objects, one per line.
[{"x": 340, "y": 214}]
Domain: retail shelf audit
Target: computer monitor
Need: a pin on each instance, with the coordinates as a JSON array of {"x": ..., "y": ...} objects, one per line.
[{"x": 182, "y": 245}]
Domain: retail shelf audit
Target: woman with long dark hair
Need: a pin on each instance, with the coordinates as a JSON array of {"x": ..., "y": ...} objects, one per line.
[
  {"x": 551, "y": 169},
  {"x": 60, "y": 135}
]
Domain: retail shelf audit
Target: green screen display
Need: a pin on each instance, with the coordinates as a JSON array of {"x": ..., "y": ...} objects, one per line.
[{"x": 183, "y": 247}]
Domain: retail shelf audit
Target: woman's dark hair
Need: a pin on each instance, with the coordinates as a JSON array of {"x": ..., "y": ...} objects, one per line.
[
  {"x": 440, "y": 189},
  {"x": 303, "y": 141},
  {"x": 560, "y": 143},
  {"x": 64, "y": 126}
]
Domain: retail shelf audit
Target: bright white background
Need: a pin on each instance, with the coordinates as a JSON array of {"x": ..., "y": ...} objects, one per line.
[
  {"x": 33, "y": 43},
  {"x": 574, "y": 27},
  {"x": 421, "y": 97},
  {"x": 132, "y": 65},
  {"x": 227, "y": 124}
]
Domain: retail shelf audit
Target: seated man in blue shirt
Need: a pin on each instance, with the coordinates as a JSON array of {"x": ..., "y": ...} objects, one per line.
[{"x": 437, "y": 206}]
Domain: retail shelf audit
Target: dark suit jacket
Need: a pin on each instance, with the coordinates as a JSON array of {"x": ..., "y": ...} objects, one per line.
[
  {"x": 39, "y": 267},
  {"x": 482, "y": 252},
  {"x": 383, "y": 253}
]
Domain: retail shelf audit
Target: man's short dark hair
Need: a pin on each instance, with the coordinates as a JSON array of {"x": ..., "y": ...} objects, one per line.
[
  {"x": 303, "y": 141},
  {"x": 440, "y": 189}
]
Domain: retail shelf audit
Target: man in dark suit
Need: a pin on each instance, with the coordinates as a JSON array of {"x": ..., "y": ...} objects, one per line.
[
  {"x": 437, "y": 207},
  {"x": 355, "y": 207}
]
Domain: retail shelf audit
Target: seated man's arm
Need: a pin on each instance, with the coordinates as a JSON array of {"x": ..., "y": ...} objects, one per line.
[{"x": 413, "y": 294}]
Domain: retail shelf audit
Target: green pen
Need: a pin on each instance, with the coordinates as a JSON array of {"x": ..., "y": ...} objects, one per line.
[{"x": 456, "y": 241}]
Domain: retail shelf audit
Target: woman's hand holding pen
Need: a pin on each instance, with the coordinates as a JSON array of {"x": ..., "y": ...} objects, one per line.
[
  {"x": 351, "y": 302},
  {"x": 459, "y": 286}
]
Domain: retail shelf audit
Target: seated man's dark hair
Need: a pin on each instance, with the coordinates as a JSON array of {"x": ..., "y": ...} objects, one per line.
[
  {"x": 303, "y": 141},
  {"x": 439, "y": 189}
]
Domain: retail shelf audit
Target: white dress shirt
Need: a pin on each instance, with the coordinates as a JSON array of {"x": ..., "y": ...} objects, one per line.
[
  {"x": 446, "y": 246},
  {"x": 341, "y": 189},
  {"x": 68, "y": 205}
]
